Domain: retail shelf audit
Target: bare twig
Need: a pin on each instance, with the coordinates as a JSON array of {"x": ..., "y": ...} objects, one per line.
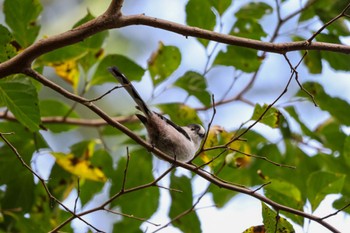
[
  {"x": 261, "y": 186},
  {"x": 78, "y": 195},
  {"x": 132, "y": 216},
  {"x": 336, "y": 212},
  {"x": 169, "y": 189},
  {"x": 343, "y": 13},
  {"x": 186, "y": 212},
  {"x": 264, "y": 112},
  {"x": 296, "y": 73},
  {"x": 104, "y": 94},
  {"x": 263, "y": 158},
  {"x": 125, "y": 170},
  {"x": 117, "y": 195},
  {"x": 74, "y": 121},
  {"x": 208, "y": 128}
]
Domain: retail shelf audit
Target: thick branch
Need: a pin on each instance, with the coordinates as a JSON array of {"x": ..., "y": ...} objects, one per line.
[
  {"x": 229, "y": 39},
  {"x": 113, "y": 19}
]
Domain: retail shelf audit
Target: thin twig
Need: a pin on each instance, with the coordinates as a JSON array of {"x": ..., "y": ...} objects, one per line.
[
  {"x": 261, "y": 186},
  {"x": 42, "y": 181},
  {"x": 343, "y": 13},
  {"x": 212, "y": 159},
  {"x": 262, "y": 158},
  {"x": 74, "y": 121},
  {"x": 263, "y": 114},
  {"x": 77, "y": 198},
  {"x": 186, "y": 212},
  {"x": 208, "y": 129},
  {"x": 106, "y": 93},
  {"x": 277, "y": 220},
  {"x": 125, "y": 170},
  {"x": 296, "y": 73},
  {"x": 132, "y": 216},
  {"x": 336, "y": 212},
  {"x": 169, "y": 189}
]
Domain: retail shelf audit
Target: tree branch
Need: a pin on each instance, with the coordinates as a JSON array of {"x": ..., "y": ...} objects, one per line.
[
  {"x": 74, "y": 121},
  {"x": 113, "y": 18}
]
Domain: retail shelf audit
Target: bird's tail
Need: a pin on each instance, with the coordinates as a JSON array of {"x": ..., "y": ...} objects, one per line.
[{"x": 141, "y": 105}]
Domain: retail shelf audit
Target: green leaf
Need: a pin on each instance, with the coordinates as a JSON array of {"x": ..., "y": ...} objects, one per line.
[
  {"x": 238, "y": 176},
  {"x": 163, "y": 62},
  {"x": 308, "y": 132},
  {"x": 93, "y": 42},
  {"x": 180, "y": 114},
  {"x": 322, "y": 183},
  {"x": 7, "y": 48},
  {"x": 331, "y": 135},
  {"x": 61, "y": 182},
  {"x": 254, "y": 10},
  {"x": 325, "y": 10},
  {"x": 89, "y": 189},
  {"x": 314, "y": 8},
  {"x": 19, "y": 181},
  {"x": 338, "y": 108},
  {"x": 199, "y": 14},
  {"x": 21, "y": 16},
  {"x": 24, "y": 140},
  {"x": 21, "y": 98},
  {"x": 64, "y": 54},
  {"x": 144, "y": 202},
  {"x": 20, "y": 193},
  {"x": 248, "y": 28},
  {"x": 313, "y": 59},
  {"x": 127, "y": 66},
  {"x": 271, "y": 221},
  {"x": 221, "y": 5},
  {"x": 243, "y": 59},
  {"x": 183, "y": 201},
  {"x": 346, "y": 151},
  {"x": 24, "y": 224},
  {"x": 272, "y": 117},
  {"x": 341, "y": 202},
  {"x": 54, "y": 108},
  {"x": 284, "y": 193},
  {"x": 337, "y": 61},
  {"x": 313, "y": 62},
  {"x": 127, "y": 225},
  {"x": 195, "y": 84},
  {"x": 255, "y": 229},
  {"x": 338, "y": 27}
]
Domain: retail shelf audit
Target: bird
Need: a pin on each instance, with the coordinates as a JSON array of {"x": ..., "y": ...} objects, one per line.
[{"x": 179, "y": 142}]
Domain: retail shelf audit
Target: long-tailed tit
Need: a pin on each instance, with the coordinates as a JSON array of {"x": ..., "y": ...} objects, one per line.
[{"x": 181, "y": 143}]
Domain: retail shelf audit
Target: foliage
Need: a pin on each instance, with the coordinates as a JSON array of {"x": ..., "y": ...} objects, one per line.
[{"x": 303, "y": 166}]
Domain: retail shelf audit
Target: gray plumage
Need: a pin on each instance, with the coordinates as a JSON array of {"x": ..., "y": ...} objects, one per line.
[{"x": 181, "y": 143}]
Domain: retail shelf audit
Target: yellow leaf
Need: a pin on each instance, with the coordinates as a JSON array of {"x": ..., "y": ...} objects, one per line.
[
  {"x": 238, "y": 160},
  {"x": 68, "y": 71},
  {"x": 212, "y": 139},
  {"x": 79, "y": 166},
  {"x": 218, "y": 136},
  {"x": 255, "y": 229}
]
